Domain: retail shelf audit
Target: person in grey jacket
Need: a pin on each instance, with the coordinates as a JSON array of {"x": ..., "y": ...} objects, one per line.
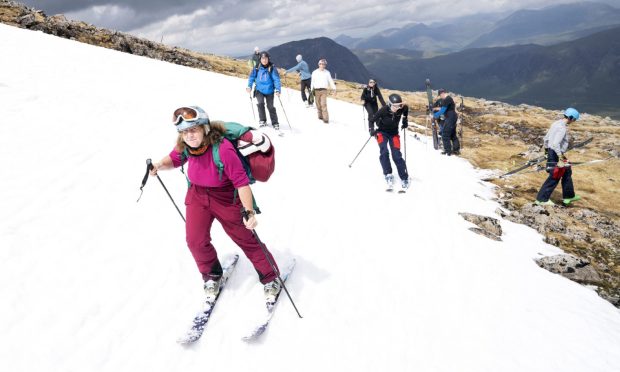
[
  {"x": 556, "y": 144},
  {"x": 306, "y": 77}
]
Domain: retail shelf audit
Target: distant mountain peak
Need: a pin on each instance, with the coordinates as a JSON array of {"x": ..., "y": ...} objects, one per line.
[{"x": 342, "y": 63}]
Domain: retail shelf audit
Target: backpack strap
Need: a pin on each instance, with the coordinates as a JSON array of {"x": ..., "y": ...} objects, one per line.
[
  {"x": 185, "y": 155},
  {"x": 217, "y": 160}
]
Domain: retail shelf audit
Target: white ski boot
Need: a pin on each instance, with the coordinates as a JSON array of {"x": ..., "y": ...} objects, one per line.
[{"x": 389, "y": 178}]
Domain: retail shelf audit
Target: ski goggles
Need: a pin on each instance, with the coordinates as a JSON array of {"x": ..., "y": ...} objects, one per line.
[{"x": 186, "y": 117}]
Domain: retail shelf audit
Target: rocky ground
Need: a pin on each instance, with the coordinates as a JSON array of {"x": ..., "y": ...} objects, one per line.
[{"x": 496, "y": 136}]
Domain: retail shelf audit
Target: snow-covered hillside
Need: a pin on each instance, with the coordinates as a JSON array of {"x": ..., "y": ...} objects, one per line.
[{"x": 90, "y": 280}]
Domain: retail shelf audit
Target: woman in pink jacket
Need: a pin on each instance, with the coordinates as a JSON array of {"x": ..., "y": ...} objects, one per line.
[{"x": 212, "y": 196}]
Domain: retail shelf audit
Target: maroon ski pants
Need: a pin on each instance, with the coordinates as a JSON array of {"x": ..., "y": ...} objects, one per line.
[{"x": 203, "y": 205}]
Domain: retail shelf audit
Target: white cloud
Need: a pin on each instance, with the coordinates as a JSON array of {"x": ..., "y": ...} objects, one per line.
[{"x": 233, "y": 27}]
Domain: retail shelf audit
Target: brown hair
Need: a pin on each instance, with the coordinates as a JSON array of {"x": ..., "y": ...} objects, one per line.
[{"x": 216, "y": 132}]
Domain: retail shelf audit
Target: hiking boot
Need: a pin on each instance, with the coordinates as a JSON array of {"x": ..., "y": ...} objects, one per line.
[
  {"x": 212, "y": 289},
  {"x": 271, "y": 290},
  {"x": 446, "y": 153},
  {"x": 326, "y": 121},
  {"x": 456, "y": 152},
  {"x": 307, "y": 104},
  {"x": 567, "y": 201},
  {"x": 276, "y": 126},
  {"x": 405, "y": 184},
  {"x": 548, "y": 202},
  {"x": 262, "y": 123}
]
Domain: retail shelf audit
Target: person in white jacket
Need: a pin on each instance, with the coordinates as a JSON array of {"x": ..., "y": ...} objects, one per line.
[{"x": 321, "y": 82}]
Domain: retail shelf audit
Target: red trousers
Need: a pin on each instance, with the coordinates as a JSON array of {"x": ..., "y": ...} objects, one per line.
[{"x": 203, "y": 205}]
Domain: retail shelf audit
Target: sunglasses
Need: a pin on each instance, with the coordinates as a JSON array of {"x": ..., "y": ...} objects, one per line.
[
  {"x": 184, "y": 114},
  {"x": 397, "y": 105}
]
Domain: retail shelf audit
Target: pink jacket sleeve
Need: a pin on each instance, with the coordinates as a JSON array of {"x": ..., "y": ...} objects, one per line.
[{"x": 176, "y": 158}]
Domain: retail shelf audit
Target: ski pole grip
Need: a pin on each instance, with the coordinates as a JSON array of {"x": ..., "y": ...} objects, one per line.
[{"x": 149, "y": 164}]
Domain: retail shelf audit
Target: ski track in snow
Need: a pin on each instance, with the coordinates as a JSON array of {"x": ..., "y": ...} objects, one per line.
[{"x": 92, "y": 280}]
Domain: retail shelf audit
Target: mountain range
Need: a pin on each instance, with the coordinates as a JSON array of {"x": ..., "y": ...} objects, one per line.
[
  {"x": 583, "y": 72},
  {"x": 341, "y": 62},
  {"x": 547, "y": 26}
]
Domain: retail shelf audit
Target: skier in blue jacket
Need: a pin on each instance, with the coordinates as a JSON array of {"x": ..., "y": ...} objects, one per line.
[
  {"x": 451, "y": 144},
  {"x": 306, "y": 77},
  {"x": 266, "y": 79}
]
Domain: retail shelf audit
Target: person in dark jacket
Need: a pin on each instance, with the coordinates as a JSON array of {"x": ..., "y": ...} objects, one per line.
[
  {"x": 255, "y": 61},
  {"x": 267, "y": 81},
  {"x": 441, "y": 119},
  {"x": 449, "y": 138},
  {"x": 388, "y": 119},
  {"x": 370, "y": 93}
]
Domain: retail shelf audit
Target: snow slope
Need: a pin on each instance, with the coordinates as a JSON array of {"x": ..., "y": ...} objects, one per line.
[{"x": 90, "y": 280}]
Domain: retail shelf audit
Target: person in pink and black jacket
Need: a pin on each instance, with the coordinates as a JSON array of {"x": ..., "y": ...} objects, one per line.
[{"x": 211, "y": 196}]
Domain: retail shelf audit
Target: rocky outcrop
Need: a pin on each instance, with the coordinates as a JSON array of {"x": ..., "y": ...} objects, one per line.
[
  {"x": 487, "y": 226},
  {"x": 18, "y": 15},
  {"x": 571, "y": 267},
  {"x": 593, "y": 240}
]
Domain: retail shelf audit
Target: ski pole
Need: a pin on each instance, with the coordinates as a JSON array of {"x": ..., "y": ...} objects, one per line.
[
  {"x": 363, "y": 117},
  {"x": 252, "y": 105},
  {"x": 149, "y": 166},
  {"x": 288, "y": 95},
  {"x": 273, "y": 266},
  {"x": 358, "y": 154},
  {"x": 284, "y": 111},
  {"x": 405, "y": 142}
]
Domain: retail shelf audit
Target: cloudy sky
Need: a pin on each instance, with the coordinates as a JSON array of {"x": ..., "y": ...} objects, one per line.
[{"x": 234, "y": 27}]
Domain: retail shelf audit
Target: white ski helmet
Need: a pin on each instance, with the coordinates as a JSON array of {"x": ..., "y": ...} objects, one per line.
[{"x": 188, "y": 117}]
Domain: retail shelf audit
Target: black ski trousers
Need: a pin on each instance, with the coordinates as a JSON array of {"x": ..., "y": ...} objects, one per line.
[
  {"x": 305, "y": 84},
  {"x": 448, "y": 134},
  {"x": 262, "y": 116},
  {"x": 371, "y": 109},
  {"x": 568, "y": 191}
]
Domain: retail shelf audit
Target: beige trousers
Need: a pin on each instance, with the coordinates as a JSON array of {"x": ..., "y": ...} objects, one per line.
[{"x": 320, "y": 100}]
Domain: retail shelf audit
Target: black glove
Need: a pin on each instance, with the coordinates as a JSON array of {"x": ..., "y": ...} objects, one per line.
[
  {"x": 372, "y": 132},
  {"x": 404, "y": 126}
]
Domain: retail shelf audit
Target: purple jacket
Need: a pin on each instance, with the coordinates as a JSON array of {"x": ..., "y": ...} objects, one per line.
[{"x": 202, "y": 171}]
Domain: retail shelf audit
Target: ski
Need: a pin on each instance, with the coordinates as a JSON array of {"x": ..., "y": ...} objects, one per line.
[
  {"x": 429, "y": 95},
  {"x": 201, "y": 319},
  {"x": 270, "y": 308},
  {"x": 266, "y": 127},
  {"x": 540, "y": 159}
]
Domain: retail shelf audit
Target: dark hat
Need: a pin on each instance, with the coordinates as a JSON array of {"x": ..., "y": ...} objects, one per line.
[{"x": 441, "y": 91}]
